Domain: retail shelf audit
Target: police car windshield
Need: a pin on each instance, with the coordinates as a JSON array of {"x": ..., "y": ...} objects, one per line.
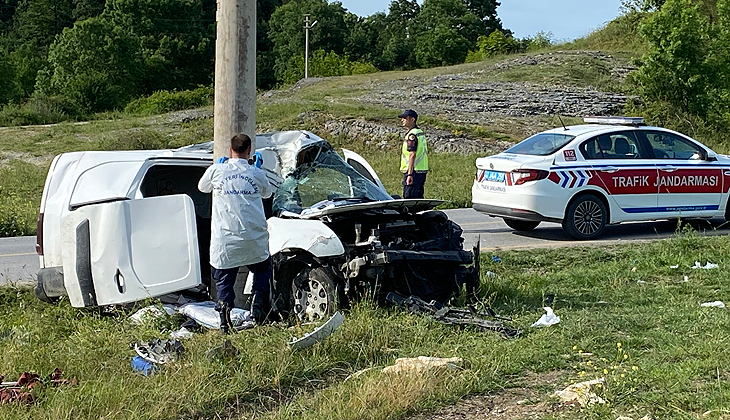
[
  {"x": 541, "y": 144},
  {"x": 327, "y": 178}
]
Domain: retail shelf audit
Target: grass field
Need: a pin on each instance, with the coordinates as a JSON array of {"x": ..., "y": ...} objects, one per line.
[{"x": 625, "y": 316}]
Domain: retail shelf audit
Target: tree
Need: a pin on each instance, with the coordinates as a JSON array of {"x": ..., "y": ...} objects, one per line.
[
  {"x": 287, "y": 35},
  {"x": 676, "y": 68},
  {"x": 176, "y": 37},
  {"x": 399, "y": 38},
  {"x": 486, "y": 12},
  {"x": 446, "y": 32},
  {"x": 95, "y": 64}
]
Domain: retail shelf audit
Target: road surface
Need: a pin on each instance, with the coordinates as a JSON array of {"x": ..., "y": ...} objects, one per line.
[{"x": 19, "y": 262}]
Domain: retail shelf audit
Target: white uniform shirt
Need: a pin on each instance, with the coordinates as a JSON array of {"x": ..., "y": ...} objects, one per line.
[{"x": 238, "y": 234}]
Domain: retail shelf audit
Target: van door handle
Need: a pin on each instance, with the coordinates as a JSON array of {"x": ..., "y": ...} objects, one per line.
[
  {"x": 727, "y": 173},
  {"x": 610, "y": 169},
  {"x": 119, "y": 281},
  {"x": 668, "y": 168}
]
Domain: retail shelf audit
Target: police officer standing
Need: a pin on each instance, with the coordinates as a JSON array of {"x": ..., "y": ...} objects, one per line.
[{"x": 414, "y": 157}]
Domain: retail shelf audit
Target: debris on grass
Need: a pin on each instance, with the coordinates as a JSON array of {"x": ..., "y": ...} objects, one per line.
[
  {"x": 151, "y": 313},
  {"x": 226, "y": 351},
  {"x": 452, "y": 316},
  {"x": 20, "y": 391},
  {"x": 715, "y": 304},
  {"x": 708, "y": 266},
  {"x": 319, "y": 334},
  {"x": 581, "y": 393},
  {"x": 424, "y": 363},
  {"x": 547, "y": 319},
  {"x": 160, "y": 351}
]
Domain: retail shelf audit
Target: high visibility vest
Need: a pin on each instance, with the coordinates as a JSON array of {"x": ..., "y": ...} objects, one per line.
[{"x": 421, "y": 163}]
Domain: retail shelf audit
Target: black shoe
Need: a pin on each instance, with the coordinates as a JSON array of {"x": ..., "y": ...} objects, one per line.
[
  {"x": 260, "y": 307},
  {"x": 225, "y": 313}
]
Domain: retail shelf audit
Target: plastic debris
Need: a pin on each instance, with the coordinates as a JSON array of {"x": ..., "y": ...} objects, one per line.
[
  {"x": 686, "y": 279},
  {"x": 708, "y": 266},
  {"x": 633, "y": 270},
  {"x": 150, "y": 313},
  {"x": 204, "y": 313},
  {"x": 641, "y": 282},
  {"x": 674, "y": 266},
  {"x": 496, "y": 259},
  {"x": 581, "y": 393},
  {"x": 491, "y": 274},
  {"x": 715, "y": 304},
  {"x": 181, "y": 333},
  {"x": 320, "y": 333},
  {"x": 143, "y": 366},
  {"x": 423, "y": 363},
  {"x": 160, "y": 351},
  {"x": 547, "y": 319}
]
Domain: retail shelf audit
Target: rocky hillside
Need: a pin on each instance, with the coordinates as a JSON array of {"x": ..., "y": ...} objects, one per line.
[{"x": 516, "y": 96}]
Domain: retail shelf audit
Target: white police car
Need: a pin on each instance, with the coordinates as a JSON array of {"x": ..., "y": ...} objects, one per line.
[{"x": 611, "y": 170}]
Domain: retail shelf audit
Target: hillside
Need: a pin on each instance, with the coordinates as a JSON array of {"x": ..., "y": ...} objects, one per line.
[{"x": 467, "y": 111}]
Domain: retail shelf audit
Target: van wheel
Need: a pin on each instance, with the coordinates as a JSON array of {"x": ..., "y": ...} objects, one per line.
[
  {"x": 585, "y": 218},
  {"x": 316, "y": 294},
  {"x": 521, "y": 225}
]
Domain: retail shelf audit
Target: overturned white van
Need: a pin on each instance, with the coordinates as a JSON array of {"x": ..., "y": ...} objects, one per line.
[{"x": 117, "y": 227}]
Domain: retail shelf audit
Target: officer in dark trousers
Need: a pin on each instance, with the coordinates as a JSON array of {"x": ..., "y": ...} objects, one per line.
[{"x": 414, "y": 156}]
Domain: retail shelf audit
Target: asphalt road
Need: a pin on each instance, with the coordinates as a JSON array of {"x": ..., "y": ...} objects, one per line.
[{"x": 19, "y": 262}]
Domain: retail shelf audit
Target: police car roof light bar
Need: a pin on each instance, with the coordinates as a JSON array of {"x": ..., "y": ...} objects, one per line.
[{"x": 615, "y": 120}]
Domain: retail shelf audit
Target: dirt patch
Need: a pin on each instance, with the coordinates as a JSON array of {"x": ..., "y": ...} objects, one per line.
[
  {"x": 529, "y": 399},
  {"x": 7, "y": 157}
]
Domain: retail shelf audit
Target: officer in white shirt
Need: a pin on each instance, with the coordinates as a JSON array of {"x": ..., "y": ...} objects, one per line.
[{"x": 238, "y": 227}]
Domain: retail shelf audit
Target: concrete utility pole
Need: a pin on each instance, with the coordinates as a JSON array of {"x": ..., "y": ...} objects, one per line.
[
  {"x": 235, "y": 73},
  {"x": 307, "y": 27}
]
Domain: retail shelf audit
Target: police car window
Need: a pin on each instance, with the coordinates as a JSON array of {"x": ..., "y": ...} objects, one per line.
[
  {"x": 612, "y": 146},
  {"x": 541, "y": 144},
  {"x": 670, "y": 146}
]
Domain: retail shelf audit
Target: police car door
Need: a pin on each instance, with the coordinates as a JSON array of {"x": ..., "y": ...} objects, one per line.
[
  {"x": 626, "y": 172},
  {"x": 127, "y": 250},
  {"x": 689, "y": 184}
]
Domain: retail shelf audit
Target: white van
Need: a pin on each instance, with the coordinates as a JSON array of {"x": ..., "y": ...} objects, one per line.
[{"x": 117, "y": 227}]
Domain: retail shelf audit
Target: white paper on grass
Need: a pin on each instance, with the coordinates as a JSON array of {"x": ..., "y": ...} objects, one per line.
[
  {"x": 547, "y": 319},
  {"x": 715, "y": 304},
  {"x": 708, "y": 266}
]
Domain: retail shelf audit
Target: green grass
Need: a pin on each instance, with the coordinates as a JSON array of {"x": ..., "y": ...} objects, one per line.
[{"x": 670, "y": 361}]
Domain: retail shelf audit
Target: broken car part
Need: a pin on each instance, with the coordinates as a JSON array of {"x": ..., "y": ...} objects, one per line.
[
  {"x": 320, "y": 333},
  {"x": 451, "y": 316}
]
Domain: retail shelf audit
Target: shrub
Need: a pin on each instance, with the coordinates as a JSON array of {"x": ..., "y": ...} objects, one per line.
[
  {"x": 325, "y": 64},
  {"x": 489, "y": 46},
  {"x": 166, "y": 101},
  {"x": 17, "y": 215},
  {"x": 39, "y": 110}
]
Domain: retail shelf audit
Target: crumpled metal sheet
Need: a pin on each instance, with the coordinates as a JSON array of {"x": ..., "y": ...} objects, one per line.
[{"x": 319, "y": 334}]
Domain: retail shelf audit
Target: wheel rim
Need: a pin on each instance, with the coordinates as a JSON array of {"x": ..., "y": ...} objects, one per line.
[
  {"x": 311, "y": 300},
  {"x": 588, "y": 217}
]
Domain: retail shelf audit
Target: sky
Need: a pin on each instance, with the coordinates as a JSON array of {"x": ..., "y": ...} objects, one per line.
[{"x": 566, "y": 19}]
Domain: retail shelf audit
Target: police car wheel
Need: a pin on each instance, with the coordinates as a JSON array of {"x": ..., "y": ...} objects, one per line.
[
  {"x": 585, "y": 218},
  {"x": 521, "y": 225},
  {"x": 315, "y": 294}
]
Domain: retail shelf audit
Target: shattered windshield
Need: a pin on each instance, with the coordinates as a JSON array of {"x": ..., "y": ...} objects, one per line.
[{"x": 324, "y": 180}]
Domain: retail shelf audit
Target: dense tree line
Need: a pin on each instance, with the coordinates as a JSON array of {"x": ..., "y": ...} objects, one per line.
[{"x": 94, "y": 55}]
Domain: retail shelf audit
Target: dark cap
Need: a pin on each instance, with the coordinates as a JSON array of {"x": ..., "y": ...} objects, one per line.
[{"x": 409, "y": 113}]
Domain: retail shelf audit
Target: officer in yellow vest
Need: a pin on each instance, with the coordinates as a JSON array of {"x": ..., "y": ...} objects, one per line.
[{"x": 414, "y": 157}]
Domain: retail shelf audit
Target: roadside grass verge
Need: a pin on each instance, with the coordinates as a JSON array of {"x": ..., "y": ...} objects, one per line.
[{"x": 643, "y": 330}]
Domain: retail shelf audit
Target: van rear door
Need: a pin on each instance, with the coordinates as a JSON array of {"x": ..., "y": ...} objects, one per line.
[{"x": 129, "y": 250}]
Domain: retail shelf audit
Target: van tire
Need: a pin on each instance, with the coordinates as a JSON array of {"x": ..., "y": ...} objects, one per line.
[
  {"x": 316, "y": 294},
  {"x": 521, "y": 225},
  {"x": 585, "y": 217}
]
